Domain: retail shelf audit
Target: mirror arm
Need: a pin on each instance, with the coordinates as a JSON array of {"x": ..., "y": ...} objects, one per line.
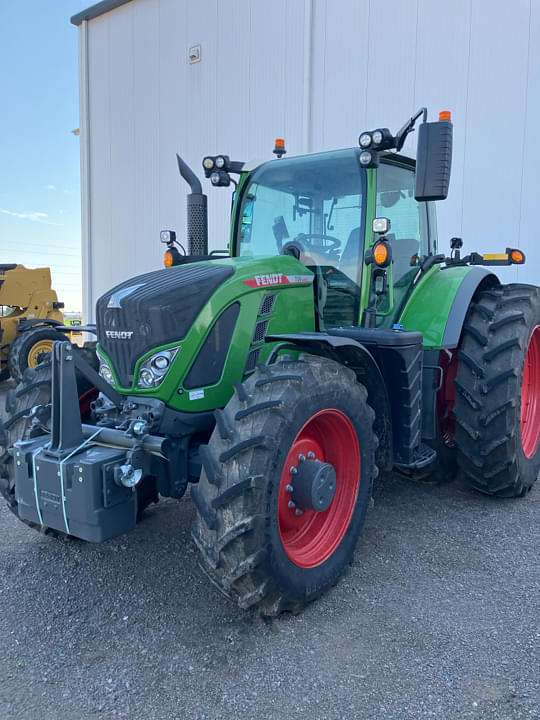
[{"x": 401, "y": 135}]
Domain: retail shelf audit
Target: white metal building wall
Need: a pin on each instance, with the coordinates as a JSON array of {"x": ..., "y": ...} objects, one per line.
[{"x": 316, "y": 72}]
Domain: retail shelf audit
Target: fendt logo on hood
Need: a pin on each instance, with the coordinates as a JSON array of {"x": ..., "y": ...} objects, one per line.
[
  {"x": 119, "y": 334},
  {"x": 270, "y": 279},
  {"x": 277, "y": 279}
]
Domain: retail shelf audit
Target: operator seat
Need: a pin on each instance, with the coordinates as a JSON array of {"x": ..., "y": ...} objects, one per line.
[
  {"x": 403, "y": 250},
  {"x": 350, "y": 256}
]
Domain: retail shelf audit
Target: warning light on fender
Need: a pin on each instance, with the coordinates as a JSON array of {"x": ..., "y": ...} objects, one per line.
[
  {"x": 168, "y": 259},
  {"x": 517, "y": 257}
]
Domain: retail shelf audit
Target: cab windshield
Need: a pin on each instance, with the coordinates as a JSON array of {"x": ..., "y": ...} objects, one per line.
[{"x": 316, "y": 202}]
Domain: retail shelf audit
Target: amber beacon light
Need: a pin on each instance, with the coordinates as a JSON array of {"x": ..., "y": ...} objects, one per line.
[{"x": 279, "y": 147}]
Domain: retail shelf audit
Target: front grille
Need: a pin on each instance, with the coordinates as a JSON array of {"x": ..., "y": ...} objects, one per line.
[
  {"x": 152, "y": 310},
  {"x": 260, "y": 331}
]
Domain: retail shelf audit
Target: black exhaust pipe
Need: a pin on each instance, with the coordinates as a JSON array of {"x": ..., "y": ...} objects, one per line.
[{"x": 197, "y": 212}]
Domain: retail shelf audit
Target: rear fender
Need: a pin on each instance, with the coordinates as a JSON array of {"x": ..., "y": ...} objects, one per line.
[
  {"x": 438, "y": 308},
  {"x": 477, "y": 279},
  {"x": 439, "y": 303}
]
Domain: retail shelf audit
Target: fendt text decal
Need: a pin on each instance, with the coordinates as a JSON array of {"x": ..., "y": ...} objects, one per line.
[
  {"x": 278, "y": 279},
  {"x": 119, "y": 334}
]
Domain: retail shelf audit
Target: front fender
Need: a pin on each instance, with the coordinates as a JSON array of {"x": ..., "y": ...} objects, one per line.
[{"x": 353, "y": 354}]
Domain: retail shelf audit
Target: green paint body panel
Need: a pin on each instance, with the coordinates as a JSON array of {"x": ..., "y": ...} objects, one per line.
[
  {"x": 369, "y": 240},
  {"x": 428, "y": 308},
  {"x": 293, "y": 312}
]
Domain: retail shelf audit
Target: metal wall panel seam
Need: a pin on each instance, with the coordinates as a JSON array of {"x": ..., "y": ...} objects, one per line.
[
  {"x": 308, "y": 65},
  {"x": 518, "y": 268},
  {"x": 86, "y": 199},
  {"x": 466, "y": 121}
]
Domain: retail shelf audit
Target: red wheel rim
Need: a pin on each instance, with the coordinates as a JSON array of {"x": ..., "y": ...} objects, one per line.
[
  {"x": 446, "y": 397},
  {"x": 310, "y": 539},
  {"x": 530, "y": 396}
]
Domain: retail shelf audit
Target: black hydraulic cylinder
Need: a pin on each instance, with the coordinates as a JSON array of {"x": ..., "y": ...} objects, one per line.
[{"x": 117, "y": 438}]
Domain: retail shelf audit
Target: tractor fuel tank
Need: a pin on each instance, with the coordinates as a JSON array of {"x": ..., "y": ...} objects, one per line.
[{"x": 399, "y": 355}]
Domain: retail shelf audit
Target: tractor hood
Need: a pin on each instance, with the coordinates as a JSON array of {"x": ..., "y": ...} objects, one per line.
[
  {"x": 216, "y": 314},
  {"x": 153, "y": 309}
]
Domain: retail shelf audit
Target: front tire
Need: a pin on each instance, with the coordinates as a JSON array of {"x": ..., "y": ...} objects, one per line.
[
  {"x": 498, "y": 391},
  {"x": 255, "y": 546}
]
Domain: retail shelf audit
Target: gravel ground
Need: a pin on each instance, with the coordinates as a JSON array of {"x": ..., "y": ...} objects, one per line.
[{"x": 437, "y": 617}]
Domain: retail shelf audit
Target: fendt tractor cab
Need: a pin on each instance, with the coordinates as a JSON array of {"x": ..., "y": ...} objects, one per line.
[{"x": 332, "y": 341}]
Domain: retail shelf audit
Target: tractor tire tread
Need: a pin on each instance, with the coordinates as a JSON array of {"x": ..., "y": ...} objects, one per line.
[
  {"x": 488, "y": 436},
  {"x": 231, "y": 516}
]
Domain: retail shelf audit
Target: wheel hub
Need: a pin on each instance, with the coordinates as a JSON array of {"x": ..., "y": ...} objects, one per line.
[
  {"x": 314, "y": 485},
  {"x": 319, "y": 487}
]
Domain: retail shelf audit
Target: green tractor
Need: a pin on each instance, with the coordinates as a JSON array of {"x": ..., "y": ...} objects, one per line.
[{"x": 331, "y": 342}]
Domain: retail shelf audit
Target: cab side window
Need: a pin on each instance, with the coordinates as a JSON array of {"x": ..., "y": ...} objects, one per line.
[{"x": 408, "y": 229}]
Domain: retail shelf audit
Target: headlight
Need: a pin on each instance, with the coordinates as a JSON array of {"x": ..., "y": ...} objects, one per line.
[
  {"x": 153, "y": 370},
  {"x": 364, "y": 140},
  {"x": 366, "y": 158},
  {"x": 146, "y": 378},
  {"x": 105, "y": 371},
  {"x": 377, "y": 137}
]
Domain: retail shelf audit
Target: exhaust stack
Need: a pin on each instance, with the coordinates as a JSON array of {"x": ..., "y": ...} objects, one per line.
[{"x": 197, "y": 212}]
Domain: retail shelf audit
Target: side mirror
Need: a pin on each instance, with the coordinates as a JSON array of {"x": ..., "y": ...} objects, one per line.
[{"x": 434, "y": 159}]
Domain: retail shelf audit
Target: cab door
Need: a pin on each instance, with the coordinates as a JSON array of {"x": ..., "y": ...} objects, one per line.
[{"x": 412, "y": 235}]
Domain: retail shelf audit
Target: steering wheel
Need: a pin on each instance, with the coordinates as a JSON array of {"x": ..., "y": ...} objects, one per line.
[{"x": 335, "y": 242}]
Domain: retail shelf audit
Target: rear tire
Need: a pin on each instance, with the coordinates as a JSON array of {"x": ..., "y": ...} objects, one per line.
[
  {"x": 254, "y": 545},
  {"x": 498, "y": 391}
]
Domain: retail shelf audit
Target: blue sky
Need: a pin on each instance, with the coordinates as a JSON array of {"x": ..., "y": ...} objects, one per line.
[{"x": 39, "y": 155}]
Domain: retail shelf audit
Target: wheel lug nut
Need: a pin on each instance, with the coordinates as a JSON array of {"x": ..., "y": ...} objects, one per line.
[
  {"x": 301, "y": 457},
  {"x": 293, "y": 470},
  {"x": 299, "y": 512},
  {"x": 291, "y": 504},
  {"x": 311, "y": 454},
  {"x": 289, "y": 488}
]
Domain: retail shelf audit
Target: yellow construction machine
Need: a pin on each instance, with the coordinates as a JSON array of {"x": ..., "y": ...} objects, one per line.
[{"x": 29, "y": 317}]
